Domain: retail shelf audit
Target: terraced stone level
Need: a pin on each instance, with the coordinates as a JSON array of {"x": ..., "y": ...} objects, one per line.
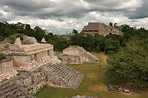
[
  {"x": 10, "y": 89},
  {"x": 68, "y": 75}
]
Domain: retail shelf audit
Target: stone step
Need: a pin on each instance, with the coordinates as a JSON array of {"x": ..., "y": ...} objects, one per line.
[
  {"x": 10, "y": 89},
  {"x": 77, "y": 81},
  {"x": 65, "y": 74},
  {"x": 72, "y": 78}
]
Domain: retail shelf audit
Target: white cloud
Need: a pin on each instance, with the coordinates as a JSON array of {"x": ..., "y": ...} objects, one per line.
[
  {"x": 61, "y": 16},
  {"x": 130, "y": 4}
]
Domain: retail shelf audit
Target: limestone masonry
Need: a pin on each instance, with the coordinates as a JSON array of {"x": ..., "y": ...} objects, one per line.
[
  {"x": 77, "y": 55},
  {"x": 31, "y": 65}
]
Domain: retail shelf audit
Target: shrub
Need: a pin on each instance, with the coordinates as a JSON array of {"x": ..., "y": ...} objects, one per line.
[{"x": 2, "y": 56}]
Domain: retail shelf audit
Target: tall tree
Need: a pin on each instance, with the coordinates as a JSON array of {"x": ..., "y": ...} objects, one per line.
[
  {"x": 115, "y": 25},
  {"x": 130, "y": 64},
  {"x": 111, "y": 24},
  {"x": 74, "y": 31}
]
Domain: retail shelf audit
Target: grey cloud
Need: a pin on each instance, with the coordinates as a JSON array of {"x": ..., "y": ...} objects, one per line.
[
  {"x": 26, "y": 8},
  {"x": 104, "y": 3},
  {"x": 3, "y": 18},
  {"x": 40, "y": 8},
  {"x": 141, "y": 12},
  {"x": 70, "y": 8},
  {"x": 1, "y": 14},
  {"x": 111, "y": 5},
  {"x": 25, "y": 4}
]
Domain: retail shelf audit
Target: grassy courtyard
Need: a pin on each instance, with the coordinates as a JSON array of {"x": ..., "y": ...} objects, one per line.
[{"x": 93, "y": 84}]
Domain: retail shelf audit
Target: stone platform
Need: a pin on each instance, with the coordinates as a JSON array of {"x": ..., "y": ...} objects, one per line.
[
  {"x": 61, "y": 75},
  {"x": 33, "y": 66},
  {"x": 10, "y": 89}
]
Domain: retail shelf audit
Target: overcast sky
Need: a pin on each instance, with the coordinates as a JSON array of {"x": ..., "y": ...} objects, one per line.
[{"x": 61, "y": 16}]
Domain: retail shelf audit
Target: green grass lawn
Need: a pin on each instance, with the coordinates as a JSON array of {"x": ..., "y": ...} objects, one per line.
[
  {"x": 93, "y": 84},
  {"x": 57, "y": 53}
]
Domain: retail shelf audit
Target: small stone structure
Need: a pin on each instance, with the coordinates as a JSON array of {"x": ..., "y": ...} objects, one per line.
[
  {"x": 77, "y": 55},
  {"x": 32, "y": 66},
  {"x": 78, "y": 96},
  {"x": 29, "y": 40},
  {"x": 43, "y": 40},
  {"x": 100, "y": 28},
  {"x": 118, "y": 88},
  {"x": 18, "y": 42}
]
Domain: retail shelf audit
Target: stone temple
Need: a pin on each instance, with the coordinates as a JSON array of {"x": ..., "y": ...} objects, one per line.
[
  {"x": 30, "y": 66},
  {"x": 77, "y": 55},
  {"x": 101, "y": 29}
]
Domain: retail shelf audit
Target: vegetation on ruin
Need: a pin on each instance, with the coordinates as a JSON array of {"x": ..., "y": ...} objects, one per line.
[
  {"x": 7, "y": 30},
  {"x": 2, "y": 56}
]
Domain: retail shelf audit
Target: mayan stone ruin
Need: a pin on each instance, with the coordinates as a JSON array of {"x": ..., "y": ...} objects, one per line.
[
  {"x": 101, "y": 29},
  {"x": 30, "y": 66},
  {"x": 77, "y": 55}
]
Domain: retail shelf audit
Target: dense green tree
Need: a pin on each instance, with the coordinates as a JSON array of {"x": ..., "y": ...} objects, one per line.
[
  {"x": 74, "y": 31},
  {"x": 108, "y": 44},
  {"x": 111, "y": 24},
  {"x": 61, "y": 44},
  {"x": 130, "y": 64},
  {"x": 111, "y": 46},
  {"x": 27, "y": 27},
  {"x": 115, "y": 25},
  {"x": 96, "y": 43}
]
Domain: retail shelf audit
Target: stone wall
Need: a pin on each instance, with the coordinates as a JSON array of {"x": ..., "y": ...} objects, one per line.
[
  {"x": 101, "y": 30},
  {"x": 6, "y": 69},
  {"x": 77, "y": 55},
  {"x": 72, "y": 59},
  {"x": 21, "y": 60},
  {"x": 33, "y": 81},
  {"x": 36, "y": 48},
  {"x": 34, "y": 61},
  {"x": 41, "y": 55},
  {"x": 74, "y": 50}
]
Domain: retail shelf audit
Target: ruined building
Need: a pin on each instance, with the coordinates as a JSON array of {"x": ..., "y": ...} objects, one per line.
[
  {"x": 77, "y": 55},
  {"x": 31, "y": 65},
  {"x": 100, "y": 28}
]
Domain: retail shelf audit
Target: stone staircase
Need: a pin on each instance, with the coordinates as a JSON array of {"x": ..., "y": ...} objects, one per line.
[
  {"x": 70, "y": 77},
  {"x": 91, "y": 57},
  {"x": 10, "y": 89}
]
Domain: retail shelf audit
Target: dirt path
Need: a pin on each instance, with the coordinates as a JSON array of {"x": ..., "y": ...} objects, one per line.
[{"x": 103, "y": 58}]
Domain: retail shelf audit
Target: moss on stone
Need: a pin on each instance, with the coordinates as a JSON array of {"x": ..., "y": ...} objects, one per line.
[{"x": 2, "y": 56}]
